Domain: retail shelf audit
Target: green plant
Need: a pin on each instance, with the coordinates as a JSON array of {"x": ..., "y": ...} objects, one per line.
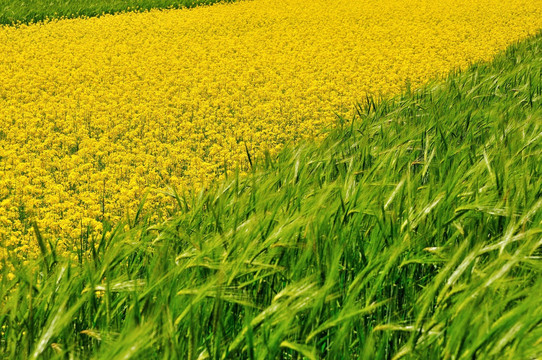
[{"x": 413, "y": 231}]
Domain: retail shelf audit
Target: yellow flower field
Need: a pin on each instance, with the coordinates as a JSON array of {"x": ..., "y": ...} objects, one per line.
[{"x": 94, "y": 112}]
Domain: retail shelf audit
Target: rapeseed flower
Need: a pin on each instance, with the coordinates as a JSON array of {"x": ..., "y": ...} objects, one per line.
[{"x": 96, "y": 112}]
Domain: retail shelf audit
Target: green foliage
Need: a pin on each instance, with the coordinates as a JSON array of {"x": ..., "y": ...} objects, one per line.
[
  {"x": 413, "y": 231},
  {"x": 16, "y": 11}
]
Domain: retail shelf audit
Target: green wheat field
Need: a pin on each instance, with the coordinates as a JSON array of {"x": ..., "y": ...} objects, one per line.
[{"x": 413, "y": 230}]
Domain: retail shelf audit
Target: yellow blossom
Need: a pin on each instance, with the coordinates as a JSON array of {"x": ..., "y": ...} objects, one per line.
[{"x": 95, "y": 112}]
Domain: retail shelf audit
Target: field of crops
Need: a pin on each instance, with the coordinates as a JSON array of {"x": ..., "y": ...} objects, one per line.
[
  {"x": 271, "y": 180},
  {"x": 17, "y": 12},
  {"x": 96, "y": 112}
]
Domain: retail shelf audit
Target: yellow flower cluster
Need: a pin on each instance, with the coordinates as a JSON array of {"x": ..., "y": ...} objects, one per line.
[{"x": 95, "y": 112}]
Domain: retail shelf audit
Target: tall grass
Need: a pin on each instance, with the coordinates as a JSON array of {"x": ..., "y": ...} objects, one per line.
[
  {"x": 413, "y": 231},
  {"x": 28, "y": 11}
]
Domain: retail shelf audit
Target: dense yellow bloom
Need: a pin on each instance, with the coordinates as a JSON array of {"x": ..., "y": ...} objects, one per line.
[{"x": 94, "y": 112}]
